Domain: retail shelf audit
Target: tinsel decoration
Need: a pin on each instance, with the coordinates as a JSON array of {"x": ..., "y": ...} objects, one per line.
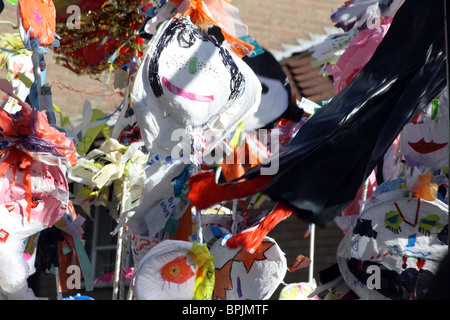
[{"x": 107, "y": 35}]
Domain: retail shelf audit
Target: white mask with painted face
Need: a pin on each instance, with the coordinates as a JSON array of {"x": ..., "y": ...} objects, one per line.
[
  {"x": 424, "y": 141},
  {"x": 395, "y": 246},
  {"x": 187, "y": 80},
  {"x": 166, "y": 272},
  {"x": 241, "y": 275}
]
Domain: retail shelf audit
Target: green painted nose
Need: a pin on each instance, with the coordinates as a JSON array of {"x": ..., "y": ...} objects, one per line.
[{"x": 193, "y": 65}]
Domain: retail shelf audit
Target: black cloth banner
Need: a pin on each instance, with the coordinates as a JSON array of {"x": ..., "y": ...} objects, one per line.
[{"x": 331, "y": 156}]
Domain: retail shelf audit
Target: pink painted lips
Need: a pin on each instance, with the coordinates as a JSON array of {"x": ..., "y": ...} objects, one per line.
[
  {"x": 186, "y": 94},
  {"x": 423, "y": 147}
]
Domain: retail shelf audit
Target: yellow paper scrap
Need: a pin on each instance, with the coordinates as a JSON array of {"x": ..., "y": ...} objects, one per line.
[{"x": 204, "y": 275}]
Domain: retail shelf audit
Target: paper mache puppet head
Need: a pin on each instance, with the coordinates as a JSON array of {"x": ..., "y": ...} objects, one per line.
[
  {"x": 395, "y": 246},
  {"x": 166, "y": 272},
  {"x": 34, "y": 189},
  {"x": 241, "y": 275},
  {"x": 424, "y": 141},
  {"x": 49, "y": 199},
  {"x": 188, "y": 80},
  {"x": 176, "y": 270}
]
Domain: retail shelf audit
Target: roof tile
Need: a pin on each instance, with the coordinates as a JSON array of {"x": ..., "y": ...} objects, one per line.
[{"x": 306, "y": 80}]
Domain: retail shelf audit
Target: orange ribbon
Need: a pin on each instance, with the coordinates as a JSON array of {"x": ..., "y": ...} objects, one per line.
[{"x": 199, "y": 17}]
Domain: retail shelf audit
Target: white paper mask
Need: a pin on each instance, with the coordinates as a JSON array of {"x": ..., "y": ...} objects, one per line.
[
  {"x": 241, "y": 275},
  {"x": 187, "y": 80},
  {"x": 402, "y": 238},
  {"x": 424, "y": 142},
  {"x": 166, "y": 272}
]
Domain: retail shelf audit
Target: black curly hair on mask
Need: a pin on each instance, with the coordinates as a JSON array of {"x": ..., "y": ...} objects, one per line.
[{"x": 186, "y": 36}]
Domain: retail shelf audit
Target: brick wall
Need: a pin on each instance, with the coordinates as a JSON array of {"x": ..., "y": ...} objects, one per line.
[{"x": 273, "y": 23}]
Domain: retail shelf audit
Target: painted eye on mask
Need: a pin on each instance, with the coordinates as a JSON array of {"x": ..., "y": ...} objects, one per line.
[
  {"x": 37, "y": 204},
  {"x": 177, "y": 271},
  {"x": 427, "y": 224},
  {"x": 393, "y": 220}
]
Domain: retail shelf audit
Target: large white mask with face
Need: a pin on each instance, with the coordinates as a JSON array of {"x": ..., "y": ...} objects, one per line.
[
  {"x": 395, "y": 246},
  {"x": 187, "y": 80}
]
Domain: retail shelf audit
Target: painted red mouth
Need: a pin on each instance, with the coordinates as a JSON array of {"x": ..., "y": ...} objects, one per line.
[{"x": 423, "y": 147}]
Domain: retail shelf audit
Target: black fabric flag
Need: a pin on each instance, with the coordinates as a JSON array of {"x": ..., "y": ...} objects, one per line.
[{"x": 331, "y": 156}]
